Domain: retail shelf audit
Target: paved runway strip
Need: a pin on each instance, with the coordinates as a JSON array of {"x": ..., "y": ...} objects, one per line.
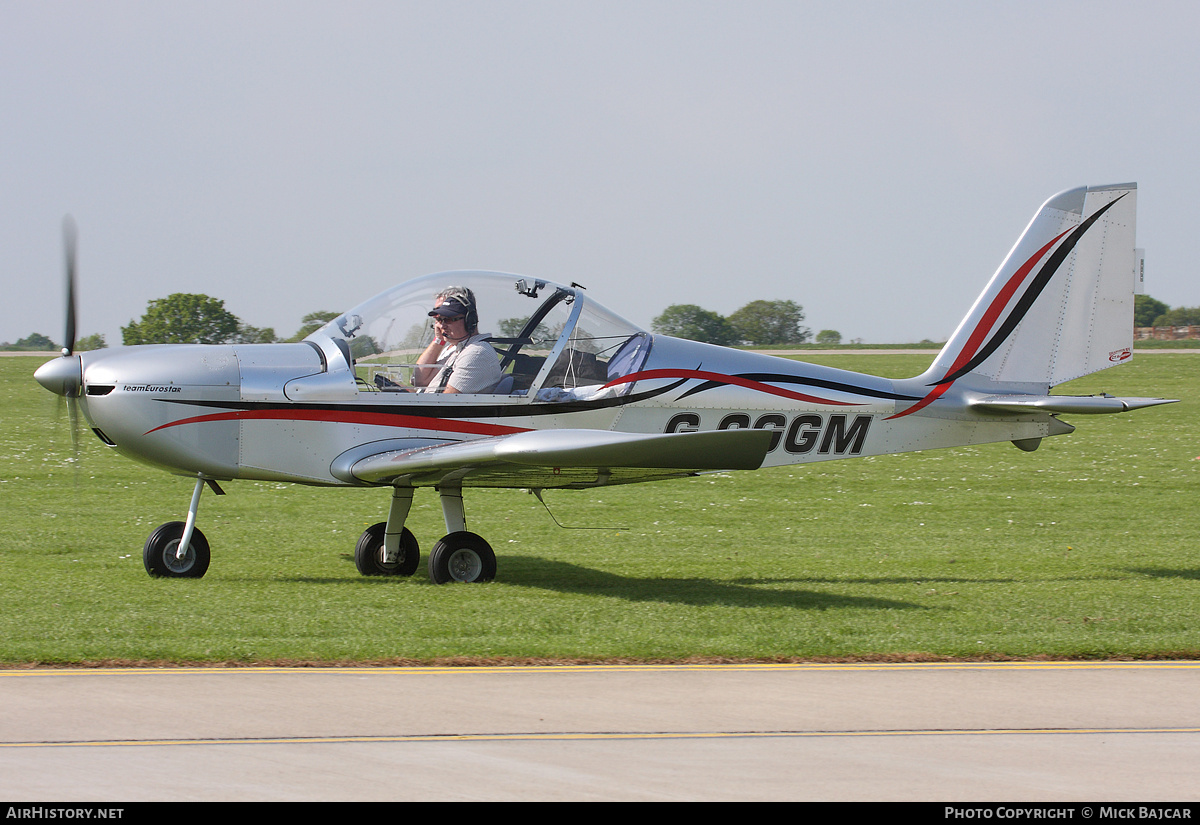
[{"x": 1055, "y": 731}]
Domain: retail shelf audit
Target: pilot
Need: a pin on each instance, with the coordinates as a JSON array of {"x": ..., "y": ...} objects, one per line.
[{"x": 459, "y": 359}]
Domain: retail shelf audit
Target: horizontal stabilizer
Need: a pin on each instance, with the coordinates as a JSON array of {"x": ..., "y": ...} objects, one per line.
[
  {"x": 1076, "y": 404},
  {"x": 736, "y": 449}
]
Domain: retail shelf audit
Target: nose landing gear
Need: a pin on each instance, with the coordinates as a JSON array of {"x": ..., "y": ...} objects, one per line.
[{"x": 177, "y": 549}]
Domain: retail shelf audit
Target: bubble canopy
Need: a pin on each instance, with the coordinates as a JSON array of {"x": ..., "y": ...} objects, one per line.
[{"x": 547, "y": 336}]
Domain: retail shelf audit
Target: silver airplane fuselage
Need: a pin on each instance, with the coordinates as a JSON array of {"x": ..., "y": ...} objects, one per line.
[{"x": 586, "y": 399}]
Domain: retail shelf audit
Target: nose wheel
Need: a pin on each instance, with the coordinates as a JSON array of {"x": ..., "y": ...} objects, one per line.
[{"x": 161, "y": 553}]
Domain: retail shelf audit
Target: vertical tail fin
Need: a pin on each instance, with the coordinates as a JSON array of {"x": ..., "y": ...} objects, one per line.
[{"x": 1061, "y": 304}]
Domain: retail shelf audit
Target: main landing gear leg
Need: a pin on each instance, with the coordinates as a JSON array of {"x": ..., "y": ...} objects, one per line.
[
  {"x": 178, "y": 549},
  {"x": 453, "y": 511},
  {"x": 389, "y": 548},
  {"x": 459, "y": 556},
  {"x": 189, "y": 526}
]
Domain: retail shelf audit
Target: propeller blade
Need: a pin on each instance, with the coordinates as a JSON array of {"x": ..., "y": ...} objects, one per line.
[
  {"x": 73, "y": 416},
  {"x": 69, "y": 235},
  {"x": 70, "y": 405}
]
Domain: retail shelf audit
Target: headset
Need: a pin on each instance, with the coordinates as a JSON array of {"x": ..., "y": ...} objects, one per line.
[{"x": 464, "y": 298}]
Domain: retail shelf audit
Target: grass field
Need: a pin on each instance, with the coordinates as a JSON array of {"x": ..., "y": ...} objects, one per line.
[{"x": 1085, "y": 548}]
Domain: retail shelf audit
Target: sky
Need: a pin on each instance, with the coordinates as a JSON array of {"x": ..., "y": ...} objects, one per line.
[{"x": 871, "y": 161}]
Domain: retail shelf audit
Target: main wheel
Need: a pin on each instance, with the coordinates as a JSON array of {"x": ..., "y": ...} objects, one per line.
[
  {"x": 369, "y": 553},
  {"x": 462, "y": 557},
  {"x": 160, "y": 553}
]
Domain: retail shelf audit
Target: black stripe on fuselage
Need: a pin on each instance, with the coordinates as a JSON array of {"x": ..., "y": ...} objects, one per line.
[
  {"x": 441, "y": 410},
  {"x": 774, "y": 378}
]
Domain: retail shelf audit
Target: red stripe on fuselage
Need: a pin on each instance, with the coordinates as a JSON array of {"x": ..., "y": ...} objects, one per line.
[{"x": 412, "y": 422}]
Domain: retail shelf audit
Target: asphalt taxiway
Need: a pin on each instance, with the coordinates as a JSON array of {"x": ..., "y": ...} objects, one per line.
[{"x": 1045, "y": 731}]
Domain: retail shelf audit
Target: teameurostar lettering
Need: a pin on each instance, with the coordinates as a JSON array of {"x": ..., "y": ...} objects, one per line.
[
  {"x": 150, "y": 388},
  {"x": 836, "y": 434}
]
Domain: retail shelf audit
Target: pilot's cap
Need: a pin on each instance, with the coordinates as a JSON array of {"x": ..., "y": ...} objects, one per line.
[
  {"x": 448, "y": 310},
  {"x": 456, "y": 302}
]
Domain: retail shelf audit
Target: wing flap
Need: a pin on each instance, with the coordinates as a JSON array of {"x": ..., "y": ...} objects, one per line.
[{"x": 533, "y": 453}]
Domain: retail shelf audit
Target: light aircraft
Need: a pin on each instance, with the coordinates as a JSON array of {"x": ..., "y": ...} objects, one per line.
[{"x": 588, "y": 399}]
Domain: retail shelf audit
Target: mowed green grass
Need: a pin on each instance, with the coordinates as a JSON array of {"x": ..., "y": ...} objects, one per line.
[{"x": 1085, "y": 548}]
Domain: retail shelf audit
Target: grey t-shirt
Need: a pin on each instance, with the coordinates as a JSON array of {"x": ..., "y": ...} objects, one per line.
[{"x": 471, "y": 366}]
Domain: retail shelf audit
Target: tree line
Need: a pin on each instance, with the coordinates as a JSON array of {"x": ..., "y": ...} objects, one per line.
[
  {"x": 36, "y": 342},
  {"x": 758, "y": 323},
  {"x": 184, "y": 318},
  {"x": 1149, "y": 312}
]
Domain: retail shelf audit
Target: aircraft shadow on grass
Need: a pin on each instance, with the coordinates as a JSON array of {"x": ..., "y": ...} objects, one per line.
[
  {"x": 746, "y": 591},
  {"x": 1166, "y": 572},
  {"x": 564, "y": 577}
]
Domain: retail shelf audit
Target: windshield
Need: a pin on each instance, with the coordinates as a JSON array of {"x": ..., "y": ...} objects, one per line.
[{"x": 546, "y": 336}]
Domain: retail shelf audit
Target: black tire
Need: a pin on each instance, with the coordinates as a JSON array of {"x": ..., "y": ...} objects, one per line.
[
  {"x": 159, "y": 553},
  {"x": 368, "y": 554},
  {"x": 462, "y": 557}
]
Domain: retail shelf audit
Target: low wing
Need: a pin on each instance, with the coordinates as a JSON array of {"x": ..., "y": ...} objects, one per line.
[
  {"x": 1076, "y": 404},
  {"x": 565, "y": 458}
]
